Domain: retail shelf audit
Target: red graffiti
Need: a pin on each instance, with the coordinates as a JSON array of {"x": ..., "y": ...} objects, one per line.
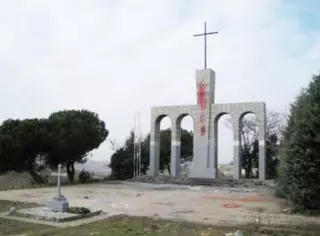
[
  {"x": 202, "y": 101},
  {"x": 202, "y": 130}
]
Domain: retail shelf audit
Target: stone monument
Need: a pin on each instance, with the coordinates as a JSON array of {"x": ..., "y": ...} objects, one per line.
[
  {"x": 205, "y": 114},
  {"x": 57, "y": 210},
  {"x": 59, "y": 203}
]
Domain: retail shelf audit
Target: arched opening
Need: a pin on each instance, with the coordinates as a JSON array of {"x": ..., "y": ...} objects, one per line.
[
  {"x": 185, "y": 128},
  {"x": 165, "y": 145},
  {"x": 224, "y": 145},
  {"x": 249, "y": 139}
]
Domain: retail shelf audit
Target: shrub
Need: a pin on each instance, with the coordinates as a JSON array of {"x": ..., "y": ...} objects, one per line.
[
  {"x": 79, "y": 210},
  {"x": 85, "y": 176}
]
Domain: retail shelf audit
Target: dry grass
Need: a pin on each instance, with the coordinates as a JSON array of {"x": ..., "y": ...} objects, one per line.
[
  {"x": 122, "y": 226},
  {"x": 10, "y": 227}
]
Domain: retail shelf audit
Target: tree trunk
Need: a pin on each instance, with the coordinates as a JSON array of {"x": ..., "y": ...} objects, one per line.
[
  {"x": 168, "y": 167},
  {"x": 70, "y": 171},
  {"x": 35, "y": 176},
  {"x": 249, "y": 167},
  {"x": 247, "y": 173}
]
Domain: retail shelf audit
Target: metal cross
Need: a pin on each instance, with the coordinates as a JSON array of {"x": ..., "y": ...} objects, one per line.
[{"x": 205, "y": 42}]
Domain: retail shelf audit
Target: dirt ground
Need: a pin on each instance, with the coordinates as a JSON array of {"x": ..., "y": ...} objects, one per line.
[{"x": 212, "y": 205}]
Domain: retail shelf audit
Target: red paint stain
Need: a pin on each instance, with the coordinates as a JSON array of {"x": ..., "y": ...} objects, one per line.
[
  {"x": 202, "y": 101},
  {"x": 243, "y": 199},
  {"x": 231, "y": 205},
  {"x": 202, "y": 130}
]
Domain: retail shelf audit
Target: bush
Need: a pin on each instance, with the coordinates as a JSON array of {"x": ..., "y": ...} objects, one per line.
[
  {"x": 79, "y": 210},
  {"x": 299, "y": 170},
  {"x": 85, "y": 176}
]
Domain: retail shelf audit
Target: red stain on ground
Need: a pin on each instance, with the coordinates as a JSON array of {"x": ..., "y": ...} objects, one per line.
[
  {"x": 231, "y": 205},
  {"x": 243, "y": 199}
]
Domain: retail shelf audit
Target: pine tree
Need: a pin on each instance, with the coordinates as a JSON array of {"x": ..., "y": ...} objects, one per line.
[{"x": 299, "y": 170}]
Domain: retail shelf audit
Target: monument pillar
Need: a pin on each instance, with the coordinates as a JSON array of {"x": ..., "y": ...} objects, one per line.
[
  {"x": 154, "y": 148},
  {"x": 237, "y": 152},
  {"x": 262, "y": 160},
  {"x": 262, "y": 144},
  {"x": 175, "y": 150},
  {"x": 214, "y": 150},
  {"x": 203, "y": 138}
]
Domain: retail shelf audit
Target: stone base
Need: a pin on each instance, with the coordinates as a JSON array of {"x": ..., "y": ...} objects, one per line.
[
  {"x": 206, "y": 182},
  {"x": 208, "y": 174},
  {"x": 42, "y": 213},
  {"x": 58, "y": 204}
]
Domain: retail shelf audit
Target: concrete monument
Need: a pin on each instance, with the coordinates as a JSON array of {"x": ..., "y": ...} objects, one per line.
[
  {"x": 205, "y": 116},
  {"x": 59, "y": 203}
]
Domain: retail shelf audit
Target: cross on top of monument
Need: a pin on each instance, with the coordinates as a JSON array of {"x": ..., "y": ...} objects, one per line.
[{"x": 205, "y": 42}]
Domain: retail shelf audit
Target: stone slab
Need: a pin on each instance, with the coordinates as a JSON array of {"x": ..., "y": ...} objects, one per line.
[
  {"x": 43, "y": 213},
  {"x": 5, "y": 215}
]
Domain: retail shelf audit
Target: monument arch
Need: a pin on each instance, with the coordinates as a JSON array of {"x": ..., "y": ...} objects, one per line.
[
  {"x": 205, "y": 114},
  {"x": 217, "y": 142}
]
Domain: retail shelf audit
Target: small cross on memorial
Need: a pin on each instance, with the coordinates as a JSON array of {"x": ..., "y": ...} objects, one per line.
[
  {"x": 59, "y": 202},
  {"x": 59, "y": 174}
]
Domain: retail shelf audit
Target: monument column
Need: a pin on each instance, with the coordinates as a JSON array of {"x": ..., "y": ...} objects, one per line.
[
  {"x": 154, "y": 148},
  {"x": 262, "y": 145},
  {"x": 214, "y": 150},
  {"x": 237, "y": 153},
  {"x": 175, "y": 150},
  {"x": 203, "y": 144}
]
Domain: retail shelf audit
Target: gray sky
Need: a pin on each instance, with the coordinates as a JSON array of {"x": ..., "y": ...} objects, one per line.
[{"x": 114, "y": 57}]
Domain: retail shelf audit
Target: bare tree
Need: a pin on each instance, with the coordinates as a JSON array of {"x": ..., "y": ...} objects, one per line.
[
  {"x": 249, "y": 133},
  {"x": 250, "y": 126},
  {"x": 114, "y": 145}
]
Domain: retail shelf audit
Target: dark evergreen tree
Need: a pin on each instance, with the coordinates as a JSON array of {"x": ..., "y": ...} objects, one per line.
[
  {"x": 299, "y": 171},
  {"x": 73, "y": 134}
]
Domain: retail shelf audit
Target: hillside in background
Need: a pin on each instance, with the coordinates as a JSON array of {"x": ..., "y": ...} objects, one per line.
[{"x": 100, "y": 168}]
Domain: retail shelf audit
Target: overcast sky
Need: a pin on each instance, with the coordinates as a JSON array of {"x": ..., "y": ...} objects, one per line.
[{"x": 114, "y": 57}]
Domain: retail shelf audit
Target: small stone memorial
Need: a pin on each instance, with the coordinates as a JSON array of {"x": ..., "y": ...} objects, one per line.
[
  {"x": 56, "y": 210},
  {"x": 59, "y": 203}
]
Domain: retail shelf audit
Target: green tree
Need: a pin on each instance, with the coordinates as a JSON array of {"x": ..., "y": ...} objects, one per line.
[
  {"x": 121, "y": 162},
  {"x": 272, "y": 146},
  {"x": 72, "y": 135},
  {"x": 22, "y": 141},
  {"x": 165, "y": 149},
  {"x": 9, "y": 147},
  {"x": 299, "y": 171},
  {"x": 186, "y": 152}
]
